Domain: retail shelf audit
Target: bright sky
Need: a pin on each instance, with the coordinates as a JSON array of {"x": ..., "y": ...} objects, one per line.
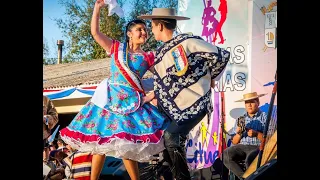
[{"x": 52, "y": 9}]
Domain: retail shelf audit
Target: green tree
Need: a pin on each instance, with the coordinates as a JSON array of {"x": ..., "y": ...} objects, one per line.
[
  {"x": 145, "y": 7},
  {"x": 75, "y": 26},
  {"x": 46, "y": 59},
  {"x": 76, "y": 29},
  {"x": 168, "y": 4},
  {"x": 45, "y": 50}
]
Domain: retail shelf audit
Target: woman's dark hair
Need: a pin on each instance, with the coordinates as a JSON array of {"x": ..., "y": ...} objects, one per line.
[{"x": 131, "y": 24}]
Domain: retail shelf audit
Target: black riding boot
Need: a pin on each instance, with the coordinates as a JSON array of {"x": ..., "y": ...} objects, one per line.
[{"x": 175, "y": 145}]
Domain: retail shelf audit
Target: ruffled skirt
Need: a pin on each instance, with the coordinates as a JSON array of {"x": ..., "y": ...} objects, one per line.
[{"x": 135, "y": 135}]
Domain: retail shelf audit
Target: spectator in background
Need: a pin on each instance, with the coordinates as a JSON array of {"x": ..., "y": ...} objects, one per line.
[
  {"x": 61, "y": 148},
  {"x": 57, "y": 171},
  {"x": 50, "y": 119},
  {"x": 70, "y": 150},
  {"x": 62, "y": 145},
  {"x": 78, "y": 165},
  {"x": 247, "y": 135}
]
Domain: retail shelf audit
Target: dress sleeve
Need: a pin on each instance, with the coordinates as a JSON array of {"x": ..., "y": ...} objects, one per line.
[{"x": 111, "y": 51}]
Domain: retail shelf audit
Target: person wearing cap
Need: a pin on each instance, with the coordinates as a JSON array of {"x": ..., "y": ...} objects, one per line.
[
  {"x": 246, "y": 138},
  {"x": 185, "y": 69}
]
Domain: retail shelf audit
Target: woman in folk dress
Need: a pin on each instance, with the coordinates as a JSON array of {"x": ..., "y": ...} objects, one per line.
[{"x": 119, "y": 121}]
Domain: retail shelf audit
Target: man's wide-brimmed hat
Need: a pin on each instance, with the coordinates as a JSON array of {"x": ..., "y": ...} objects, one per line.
[
  {"x": 165, "y": 13},
  {"x": 250, "y": 96}
]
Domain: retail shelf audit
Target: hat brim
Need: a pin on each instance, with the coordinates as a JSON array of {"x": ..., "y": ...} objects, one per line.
[
  {"x": 247, "y": 99},
  {"x": 150, "y": 17}
]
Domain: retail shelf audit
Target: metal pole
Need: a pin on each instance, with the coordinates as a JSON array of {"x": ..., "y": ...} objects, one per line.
[{"x": 60, "y": 43}]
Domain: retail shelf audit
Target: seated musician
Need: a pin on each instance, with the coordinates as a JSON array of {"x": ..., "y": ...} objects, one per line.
[{"x": 247, "y": 135}]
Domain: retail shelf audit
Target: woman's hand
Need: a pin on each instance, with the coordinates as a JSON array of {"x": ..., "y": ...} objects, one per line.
[
  {"x": 154, "y": 101},
  {"x": 100, "y": 3},
  {"x": 147, "y": 98}
]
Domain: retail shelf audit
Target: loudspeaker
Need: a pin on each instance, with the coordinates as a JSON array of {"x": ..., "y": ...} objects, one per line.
[
  {"x": 114, "y": 169},
  {"x": 266, "y": 172}
]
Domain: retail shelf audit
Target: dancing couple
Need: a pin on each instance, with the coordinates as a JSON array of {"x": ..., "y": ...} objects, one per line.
[{"x": 120, "y": 121}]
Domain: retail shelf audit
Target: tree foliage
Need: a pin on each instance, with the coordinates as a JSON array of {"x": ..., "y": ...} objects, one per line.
[
  {"x": 76, "y": 29},
  {"x": 46, "y": 51},
  {"x": 45, "y": 47},
  {"x": 75, "y": 26},
  {"x": 140, "y": 8},
  {"x": 168, "y": 4}
]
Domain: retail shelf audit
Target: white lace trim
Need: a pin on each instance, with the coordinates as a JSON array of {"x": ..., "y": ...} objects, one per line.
[
  {"x": 123, "y": 110},
  {"x": 119, "y": 148}
]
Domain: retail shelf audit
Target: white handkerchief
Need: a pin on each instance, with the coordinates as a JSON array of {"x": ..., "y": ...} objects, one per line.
[
  {"x": 114, "y": 8},
  {"x": 101, "y": 95}
]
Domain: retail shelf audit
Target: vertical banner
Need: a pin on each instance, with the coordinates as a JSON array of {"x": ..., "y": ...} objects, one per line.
[
  {"x": 263, "y": 49},
  {"x": 223, "y": 23},
  {"x": 203, "y": 141}
]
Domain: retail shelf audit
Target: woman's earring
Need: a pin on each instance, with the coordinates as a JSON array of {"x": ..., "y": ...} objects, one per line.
[{"x": 131, "y": 43}]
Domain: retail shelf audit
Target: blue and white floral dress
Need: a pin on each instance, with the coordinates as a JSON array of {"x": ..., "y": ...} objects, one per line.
[{"x": 113, "y": 122}]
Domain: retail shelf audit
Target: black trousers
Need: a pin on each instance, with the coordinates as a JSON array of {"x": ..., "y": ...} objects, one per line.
[
  {"x": 239, "y": 152},
  {"x": 174, "y": 141}
]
